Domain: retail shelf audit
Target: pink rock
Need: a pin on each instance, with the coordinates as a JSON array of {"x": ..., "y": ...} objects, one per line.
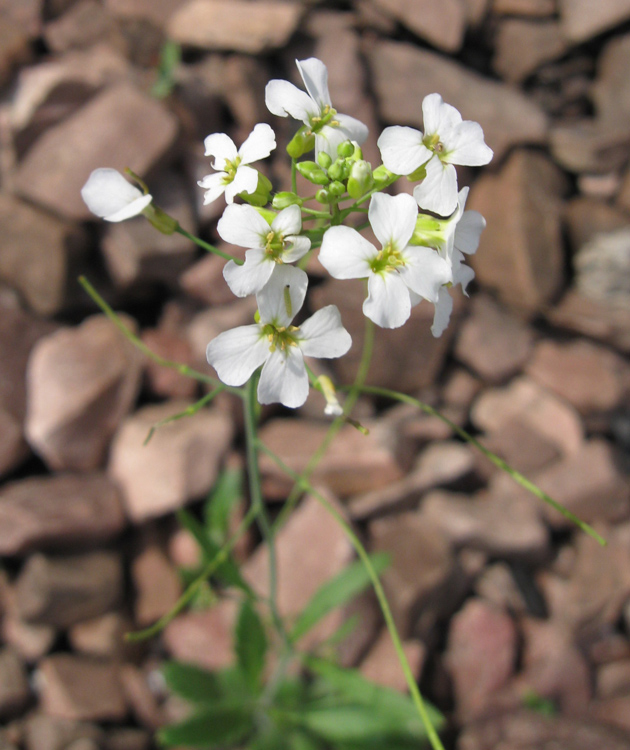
[
  {"x": 157, "y": 585},
  {"x": 480, "y": 656},
  {"x": 381, "y": 664},
  {"x": 355, "y": 463},
  {"x": 119, "y": 127},
  {"x": 423, "y": 580},
  {"x": 442, "y": 26},
  {"x": 58, "y": 511},
  {"x": 81, "y": 383},
  {"x": 588, "y": 376},
  {"x": 523, "y": 45},
  {"x": 492, "y": 342},
  {"x": 81, "y": 689},
  {"x": 528, "y": 271},
  {"x": 179, "y": 464},
  {"x": 311, "y": 548},
  {"x": 580, "y": 24},
  {"x": 234, "y": 24}
]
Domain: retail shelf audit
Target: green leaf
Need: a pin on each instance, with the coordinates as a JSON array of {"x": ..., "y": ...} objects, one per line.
[
  {"x": 348, "y": 723},
  {"x": 224, "y": 498},
  {"x": 191, "y": 682},
  {"x": 250, "y": 644},
  {"x": 198, "y": 685},
  {"x": 336, "y": 592},
  {"x": 349, "y": 686},
  {"x": 223, "y": 724}
]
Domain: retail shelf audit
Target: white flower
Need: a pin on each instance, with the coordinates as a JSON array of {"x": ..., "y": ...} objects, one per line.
[
  {"x": 447, "y": 140},
  {"x": 234, "y": 176},
  {"x": 399, "y": 275},
  {"x": 108, "y": 195},
  {"x": 462, "y": 233},
  {"x": 314, "y": 108},
  {"x": 276, "y": 344},
  {"x": 270, "y": 246}
]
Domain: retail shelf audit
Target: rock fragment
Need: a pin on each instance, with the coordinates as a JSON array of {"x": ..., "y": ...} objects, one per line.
[
  {"x": 81, "y": 383},
  {"x": 179, "y": 464},
  {"x": 63, "y": 510},
  {"x": 120, "y": 127},
  {"x": 234, "y": 24}
]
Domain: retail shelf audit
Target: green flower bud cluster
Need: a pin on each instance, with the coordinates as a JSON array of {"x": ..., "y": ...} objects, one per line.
[{"x": 348, "y": 173}]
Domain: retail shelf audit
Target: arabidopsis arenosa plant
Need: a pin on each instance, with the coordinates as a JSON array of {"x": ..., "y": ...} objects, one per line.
[
  {"x": 447, "y": 140},
  {"x": 270, "y": 246},
  {"x": 276, "y": 344},
  {"x": 233, "y": 175},
  {"x": 399, "y": 275},
  {"x": 108, "y": 195},
  {"x": 314, "y": 108}
]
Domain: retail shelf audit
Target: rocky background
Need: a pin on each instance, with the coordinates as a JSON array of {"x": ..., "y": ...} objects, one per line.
[{"x": 517, "y": 625}]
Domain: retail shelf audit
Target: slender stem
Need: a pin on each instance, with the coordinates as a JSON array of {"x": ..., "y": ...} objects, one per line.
[
  {"x": 417, "y": 698},
  {"x": 315, "y": 214},
  {"x": 496, "y": 460},
  {"x": 186, "y": 598},
  {"x": 139, "y": 343},
  {"x": 336, "y": 425},
  {"x": 207, "y": 246},
  {"x": 294, "y": 176},
  {"x": 257, "y": 502}
]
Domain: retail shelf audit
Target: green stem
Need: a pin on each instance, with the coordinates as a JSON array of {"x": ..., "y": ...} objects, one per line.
[
  {"x": 417, "y": 698},
  {"x": 186, "y": 598},
  {"x": 336, "y": 425},
  {"x": 207, "y": 246},
  {"x": 496, "y": 460},
  {"x": 139, "y": 344},
  {"x": 294, "y": 176},
  {"x": 257, "y": 502}
]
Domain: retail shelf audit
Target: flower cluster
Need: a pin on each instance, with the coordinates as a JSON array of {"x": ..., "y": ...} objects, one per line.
[{"x": 419, "y": 256}]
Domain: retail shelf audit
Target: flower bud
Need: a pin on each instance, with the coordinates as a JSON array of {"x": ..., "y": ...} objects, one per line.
[
  {"x": 313, "y": 172},
  {"x": 286, "y": 199},
  {"x": 336, "y": 189},
  {"x": 418, "y": 175},
  {"x": 267, "y": 214},
  {"x": 324, "y": 160},
  {"x": 429, "y": 231},
  {"x": 322, "y": 196},
  {"x": 382, "y": 176},
  {"x": 335, "y": 171},
  {"x": 345, "y": 149},
  {"x": 333, "y": 407},
  {"x": 357, "y": 154},
  {"x": 360, "y": 180},
  {"x": 262, "y": 195},
  {"x": 301, "y": 143}
]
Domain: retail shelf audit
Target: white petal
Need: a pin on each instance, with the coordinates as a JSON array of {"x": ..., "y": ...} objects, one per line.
[
  {"x": 425, "y": 272},
  {"x": 258, "y": 144},
  {"x": 245, "y": 181},
  {"x": 131, "y": 209},
  {"x": 222, "y": 147},
  {"x": 109, "y": 195},
  {"x": 237, "y": 353},
  {"x": 402, "y": 150},
  {"x": 464, "y": 275},
  {"x": 315, "y": 77},
  {"x": 345, "y": 254},
  {"x": 286, "y": 100},
  {"x": 393, "y": 218},
  {"x": 283, "y": 379},
  {"x": 273, "y": 305},
  {"x": 387, "y": 303},
  {"x": 468, "y": 232},
  {"x": 296, "y": 248},
  {"x": 242, "y": 225},
  {"x": 465, "y": 145},
  {"x": 439, "y": 117},
  {"x": 288, "y": 221},
  {"x": 442, "y": 315},
  {"x": 323, "y": 335},
  {"x": 328, "y": 140},
  {"x": 252, "y": 276},
  {"x": 438, "y": 191},
  {"x": 215, "y": 186},
  {"x": 352, "y": 129}
]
